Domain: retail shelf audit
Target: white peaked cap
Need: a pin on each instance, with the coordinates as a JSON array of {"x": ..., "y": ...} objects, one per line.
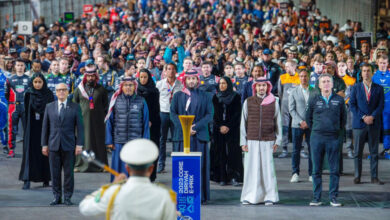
[{"x": 139, "y": 152}]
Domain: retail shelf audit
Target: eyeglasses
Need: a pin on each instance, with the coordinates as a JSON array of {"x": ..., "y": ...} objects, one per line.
[{"x": 61, "y": 90}]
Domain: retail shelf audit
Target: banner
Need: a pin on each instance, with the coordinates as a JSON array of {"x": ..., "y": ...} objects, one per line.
[
  {"x": 186, "y": 179},
  {"x": 362, "y": 37},
  {"x": 87, "y": 9},
  {"x": 25, "y": 28}
]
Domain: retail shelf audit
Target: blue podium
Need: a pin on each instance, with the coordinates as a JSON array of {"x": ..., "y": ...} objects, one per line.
[{"x": 186, "y": 179}]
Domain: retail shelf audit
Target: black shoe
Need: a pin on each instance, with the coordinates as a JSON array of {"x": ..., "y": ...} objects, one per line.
[
  {"x": 5, "y": 150},
  {"x": 356, "y": 180},
  {"x": 26, "y": 185},
  {"x": 235, "y": 183},
  {"x": 46, "y": 184},
  {"x": 68, "y": 202},
  {"x": 376, "y": 181},
  {"x": 56, "y": 201},
  {"x": 222, "y": 183}
]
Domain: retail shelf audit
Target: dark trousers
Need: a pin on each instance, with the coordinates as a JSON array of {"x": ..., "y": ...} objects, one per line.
[
  {"x": 370, "y": 134},
  {"x": 297, "y": 139},
  {"x": 166, "y": 124},
  {"x": 59, "y": 160},
  {"x": 15, "y": 112},
  {"x": 321, "y": 144}
]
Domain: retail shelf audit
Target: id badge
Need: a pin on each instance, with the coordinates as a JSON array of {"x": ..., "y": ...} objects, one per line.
[
  {"x": 91, "y": 105},
  {"x": 37, "y": 116}
]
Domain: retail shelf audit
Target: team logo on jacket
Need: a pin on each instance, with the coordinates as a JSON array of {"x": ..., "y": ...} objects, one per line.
[
  {"x": 19, "y": 89},
  {"x": 135, "y": 107}
]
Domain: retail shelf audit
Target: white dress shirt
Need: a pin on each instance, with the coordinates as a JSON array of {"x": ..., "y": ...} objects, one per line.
[
  {"x": 59, "y": 105},
  {"x": 166, "y": 93}
]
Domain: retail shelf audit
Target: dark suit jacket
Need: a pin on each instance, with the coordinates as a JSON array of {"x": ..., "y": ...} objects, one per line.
[
  {"x": 201, "y": 107},
  {"x": 66, "y": 133},
  {"x": 360, "y": 107}
]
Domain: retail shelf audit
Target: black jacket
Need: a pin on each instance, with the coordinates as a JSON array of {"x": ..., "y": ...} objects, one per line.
[{"x": 326, "y": 118}]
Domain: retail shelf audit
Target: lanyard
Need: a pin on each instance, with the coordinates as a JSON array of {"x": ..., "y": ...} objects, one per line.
[
  {"x": 368, "y": 92},
  {"x": 170, "y": 90}
]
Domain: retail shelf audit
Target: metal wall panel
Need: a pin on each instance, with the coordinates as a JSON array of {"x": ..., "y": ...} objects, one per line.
[
  {"x": 52, "y": 10},
  {"x": 356, "y": 10}
]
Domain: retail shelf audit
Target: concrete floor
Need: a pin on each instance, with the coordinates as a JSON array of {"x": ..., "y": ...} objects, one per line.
[{"x": 364, "y": 201}]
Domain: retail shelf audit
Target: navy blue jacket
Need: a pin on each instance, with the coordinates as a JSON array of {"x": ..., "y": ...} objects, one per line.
[
  {"x": 201, "y": 106},
  {"x": 247, "y": 91},
  {"x": 360, "y": 107},
  {"x": 326, "y": 118}
]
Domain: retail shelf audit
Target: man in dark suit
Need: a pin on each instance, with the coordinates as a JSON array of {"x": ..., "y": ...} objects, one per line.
[
  {"x": 62, "y": 139},
  {"x": 366, "y": 103}
]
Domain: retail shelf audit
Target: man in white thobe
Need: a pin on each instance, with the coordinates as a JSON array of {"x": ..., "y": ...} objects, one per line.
[
  {"x": 135, "y": 198},
  {"x": 260, "y": 135}
]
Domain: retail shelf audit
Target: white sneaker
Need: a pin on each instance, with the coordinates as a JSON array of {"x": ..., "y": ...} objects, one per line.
[
  {"x": 294, "y": 178},
  {"x": 267, "y": 203},
  {"x": 310, "y": 179}
]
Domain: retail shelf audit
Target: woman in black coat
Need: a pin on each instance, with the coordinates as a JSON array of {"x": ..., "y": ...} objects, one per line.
[
  {"x": 147, "y": 89},
  {"x": 35, "y": 166},
  {"x": 227, "y": 156}
]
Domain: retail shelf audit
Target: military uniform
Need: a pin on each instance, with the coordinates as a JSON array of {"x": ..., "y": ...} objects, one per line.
[{"x": 136, "y": 198}]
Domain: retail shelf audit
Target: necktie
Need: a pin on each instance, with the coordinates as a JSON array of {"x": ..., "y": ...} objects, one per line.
[{"x": 62, "y": 111}]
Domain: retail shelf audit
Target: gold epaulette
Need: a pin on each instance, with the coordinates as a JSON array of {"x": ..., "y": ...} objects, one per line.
[
  {"x": 105, "y": 187},
  {"x": 172, "y": 193}
]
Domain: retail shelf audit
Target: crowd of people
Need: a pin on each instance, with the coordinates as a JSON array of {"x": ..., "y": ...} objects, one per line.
[{"x": 255, "y": 75}]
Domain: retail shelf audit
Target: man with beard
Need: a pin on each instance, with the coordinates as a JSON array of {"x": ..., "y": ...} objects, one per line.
[
  {"x": 193, "y": 101},
  {"x": 93, "y": 101},
  {"x": 127, "y": 119},
  {"x": 260, "y": 135}
]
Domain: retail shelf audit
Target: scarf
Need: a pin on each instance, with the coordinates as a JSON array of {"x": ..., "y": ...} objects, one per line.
[
  {"x": 39, "y": 98},
  {"x": 226, "y": 97},
  {"x": 117, "y": 93},
  {"x": 149, "y": 87}
]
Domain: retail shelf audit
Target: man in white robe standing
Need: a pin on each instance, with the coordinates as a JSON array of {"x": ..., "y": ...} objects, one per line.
[{"x": 260, "y": 135}]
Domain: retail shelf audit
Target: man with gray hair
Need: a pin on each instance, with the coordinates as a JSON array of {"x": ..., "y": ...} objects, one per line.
[{"x": 325, "y": 116}]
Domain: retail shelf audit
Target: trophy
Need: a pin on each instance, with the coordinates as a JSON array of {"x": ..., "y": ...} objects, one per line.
[{"x": 186, "y": 123}]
